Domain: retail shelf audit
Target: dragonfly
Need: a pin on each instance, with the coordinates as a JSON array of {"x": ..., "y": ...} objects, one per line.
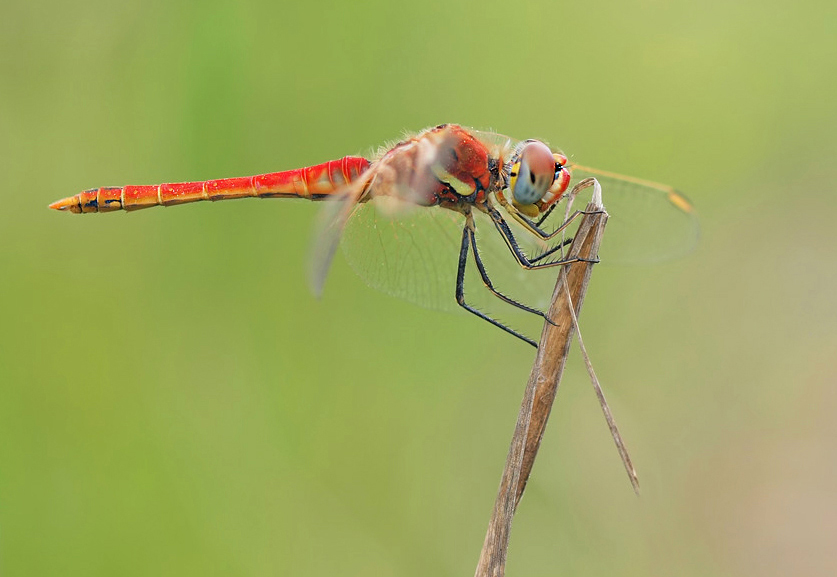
[{"x": 421, "y": 206}]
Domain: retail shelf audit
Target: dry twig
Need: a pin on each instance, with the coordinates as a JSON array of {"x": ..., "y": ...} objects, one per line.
[{"x": 542, "y": 386}]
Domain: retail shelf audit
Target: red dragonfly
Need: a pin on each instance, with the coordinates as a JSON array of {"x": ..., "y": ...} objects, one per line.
[{"x": 448, "y": 188}]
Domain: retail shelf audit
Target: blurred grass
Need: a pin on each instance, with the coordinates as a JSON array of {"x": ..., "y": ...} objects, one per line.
[{"x": 173, "y": 401}]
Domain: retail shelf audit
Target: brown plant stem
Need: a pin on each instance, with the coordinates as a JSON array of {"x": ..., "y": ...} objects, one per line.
[{"x": 542, "y": 386}]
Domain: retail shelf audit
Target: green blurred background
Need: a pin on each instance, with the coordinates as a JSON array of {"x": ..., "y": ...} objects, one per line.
[{"x": 174, "y": 402}]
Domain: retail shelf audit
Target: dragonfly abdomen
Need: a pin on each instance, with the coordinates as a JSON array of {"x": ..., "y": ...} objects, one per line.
[{"x": 312, "y": 182}]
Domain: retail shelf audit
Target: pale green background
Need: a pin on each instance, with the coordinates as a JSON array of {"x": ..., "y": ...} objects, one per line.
[{"x": 174, "y": 402}]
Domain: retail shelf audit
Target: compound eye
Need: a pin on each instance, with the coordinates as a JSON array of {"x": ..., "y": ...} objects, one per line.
[{"x": 535, "y": 173}]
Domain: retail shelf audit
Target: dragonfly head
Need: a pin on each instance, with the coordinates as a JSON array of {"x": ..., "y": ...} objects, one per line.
[
  {"x": 532, "y": 173},
  {"x": 537, "y": 176}
]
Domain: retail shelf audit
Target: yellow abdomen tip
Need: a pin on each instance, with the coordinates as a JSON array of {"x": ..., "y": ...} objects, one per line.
[{"x": 70, "y": 203}]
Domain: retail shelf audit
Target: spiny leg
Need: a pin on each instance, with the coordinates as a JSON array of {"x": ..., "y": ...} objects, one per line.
[
  {"x": 534, "y": 226},
  {"x": 460, "y": 290},
  {"x": 586, "y": 183},
  {"x": 545, "y": 215},
  {"x": 552, "y": 250},
  {"x": 524, "y": 261},
  {"x": 490, "y": 286}
]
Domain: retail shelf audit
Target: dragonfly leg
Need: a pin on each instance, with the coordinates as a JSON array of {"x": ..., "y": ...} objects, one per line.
[
  {"x": 552, "y": 250},
  {"x": 566, "y": 223},
  {"x": 535, "y": 226},
  {"x": 524, "y": 261},
  {"x": 570, "y": 196},
  {"x": 460, "y": 290},
  {"x": 490, "y": 286},
  {"x": 545, "y": 215}
]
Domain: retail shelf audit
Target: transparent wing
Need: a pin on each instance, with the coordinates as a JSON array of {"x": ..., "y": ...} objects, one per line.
[
  {"x": 413, "y": 254},
  {"x": 409, "y": 252},
  {"x": 499, "y": 145},
  {"x": 331, "y": 221},
  {"x": 649, "y": 222}
]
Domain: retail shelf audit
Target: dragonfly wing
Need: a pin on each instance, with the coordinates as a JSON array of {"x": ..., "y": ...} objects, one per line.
[
  {"x": 331, "y": 221},
  {"x": 648, "y": 222},
  {"x": 406, "y": 251},
  {"x": 499, "y": 145},
  {"x": 413, "y": 255}
]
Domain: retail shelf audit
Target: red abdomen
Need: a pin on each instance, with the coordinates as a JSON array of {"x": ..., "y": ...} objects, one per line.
[{"x": 312, "y": 182}]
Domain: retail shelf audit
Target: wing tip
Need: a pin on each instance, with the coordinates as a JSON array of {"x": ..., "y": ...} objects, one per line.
[{"x": 679, "y": 200}]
